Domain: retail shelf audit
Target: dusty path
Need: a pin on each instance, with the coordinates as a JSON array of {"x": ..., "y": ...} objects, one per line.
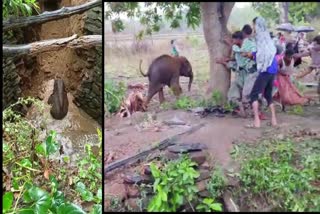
[{"x": 124, "y": 140}]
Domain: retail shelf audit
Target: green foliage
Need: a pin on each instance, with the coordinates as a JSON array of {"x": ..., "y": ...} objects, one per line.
[
  {"x": 49, "y": 147},
  {"x": 27, "y": 159},
  {"x": 298, "y": 11},
  {"x": 217, "y": 98},
  {"x": 152, "y": 18},
  {"x": 185, "y": 103},
  {"x": 296, "y": 14},
  {"x": 217, "y": 183},
  {"x": 7, "y": 200},
  {"x": 268, "y": 10},
  {"x": 173, "y": 185},
  {"x": 283, "y": 172},
  {"x": 89, "y": 181},
  {"x": 208, "y": 205},
  {"x": 18, "y": 8},
  {"x": 297, "y": 110},
  {"x": 114, "y": 95}
]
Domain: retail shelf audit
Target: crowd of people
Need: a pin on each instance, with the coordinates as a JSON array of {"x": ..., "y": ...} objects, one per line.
[
  {"x": 266, "y": 65},
  {"x": 266, "y": 68}
]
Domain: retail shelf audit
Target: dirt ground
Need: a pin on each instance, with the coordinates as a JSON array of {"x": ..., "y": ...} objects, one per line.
[
  {"x": 56, "y": 64},
  {"x": 125, "y": 137}
]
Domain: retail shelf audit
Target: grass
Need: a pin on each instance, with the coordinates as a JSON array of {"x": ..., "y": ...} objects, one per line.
[{"x": 284, "y": 174}]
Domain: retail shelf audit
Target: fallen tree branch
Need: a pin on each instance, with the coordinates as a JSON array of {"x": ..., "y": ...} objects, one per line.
[
  {"x": 52, "y": 45},
  {"x": 162, "y": 145},
  {"x": 64, "y": 12}
]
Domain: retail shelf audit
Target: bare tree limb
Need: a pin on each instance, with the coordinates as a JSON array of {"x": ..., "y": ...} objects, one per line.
[
  {"x": 48, "y": 16},
  {"x": 52, "y": 45}
]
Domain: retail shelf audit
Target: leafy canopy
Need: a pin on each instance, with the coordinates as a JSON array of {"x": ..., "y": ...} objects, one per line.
[
  {"x": 18, "y": 8},
  {"x": 152, "y": 14},
  {"x": 297, "y": 11}
]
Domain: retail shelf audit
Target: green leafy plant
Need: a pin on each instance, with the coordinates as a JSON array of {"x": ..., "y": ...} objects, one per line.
[
  {"x": 208, "y": 205},
  {"x": 217, "y": 98},
  {"x": 217, "y": 183},
  {"x": 27, "y": 159},
  {"x": 88, "y": 183},
  {"x": 297, "y": 110},
  {"x": 283, "y": 173},
  {"x": 114, "y": 95},
  {"x": 184, "y": 102},
  {"x": 174, "y": 185},
  {"x": 18, "y": 7}
]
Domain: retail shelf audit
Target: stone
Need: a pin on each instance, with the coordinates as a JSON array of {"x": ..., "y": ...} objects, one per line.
[
  {"x": 198, "y": 157},
  {"x": 132, "y": 203},
  {"x": 204, "y": 194},
  {"x": 229, "y": 202},
  {"x": 202, "y": 185},
  {"x": 116, "y": 190},
  {"x": 132, "y": 191},
  {"x": 205, "y": 165},
  {"x": 204, "y": 174},
  {"x": 136, "y": 179},
  {"x": 197, "y": 110},
  {"x": 171, "y": 156},
  {"x": 184, "y": 148},
  {"x": 233, "y": 182},
  {"x": 147, "y": 170},
  {"x": 280, "y": 137},
  {"x": 174, "y": 121}
]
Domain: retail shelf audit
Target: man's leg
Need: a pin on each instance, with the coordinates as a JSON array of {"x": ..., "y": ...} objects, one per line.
[
  {"x": 257, "y": 89},
  {"x": 268, "y": 96}
]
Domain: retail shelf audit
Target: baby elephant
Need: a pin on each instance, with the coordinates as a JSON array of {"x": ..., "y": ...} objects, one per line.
[
  {"x": 166, "y": 70},
  {"x": 58, "y": 100}
]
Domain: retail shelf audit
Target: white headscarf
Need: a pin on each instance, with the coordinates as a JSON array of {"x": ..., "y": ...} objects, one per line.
[{"x": 266, "y": 49}]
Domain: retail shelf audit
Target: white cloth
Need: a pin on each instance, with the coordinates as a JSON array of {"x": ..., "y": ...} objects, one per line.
[{"x": 266, "y": 49}]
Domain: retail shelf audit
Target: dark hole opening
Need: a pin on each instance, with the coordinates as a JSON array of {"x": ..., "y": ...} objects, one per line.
[{"x": 51, "y": 5}]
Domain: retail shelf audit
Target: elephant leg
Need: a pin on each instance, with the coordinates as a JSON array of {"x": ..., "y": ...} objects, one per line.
[
  {"x": 153, "y": 89},
  {"x": 161, "y": 96},
  {"x": 175, "y": 86}
]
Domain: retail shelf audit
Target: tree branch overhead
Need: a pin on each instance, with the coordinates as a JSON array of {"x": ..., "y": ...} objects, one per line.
[{"x": 49, "y": 16}]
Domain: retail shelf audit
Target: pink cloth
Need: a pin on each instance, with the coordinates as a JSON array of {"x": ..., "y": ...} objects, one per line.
[{"x": 279, "y": 57}]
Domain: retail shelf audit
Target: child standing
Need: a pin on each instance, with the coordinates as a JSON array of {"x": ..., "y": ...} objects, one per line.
[{"x": 174, "y": 48}]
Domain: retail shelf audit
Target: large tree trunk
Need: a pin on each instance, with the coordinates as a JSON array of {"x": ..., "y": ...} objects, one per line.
[
  {"x": 284, "y": 11},
  {"x": 215, "y": 16}
]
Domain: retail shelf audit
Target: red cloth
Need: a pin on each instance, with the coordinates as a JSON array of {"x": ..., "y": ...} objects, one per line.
[{"x": 287, "y": 93}]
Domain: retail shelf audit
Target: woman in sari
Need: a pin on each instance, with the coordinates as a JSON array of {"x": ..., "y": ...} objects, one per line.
[{"x": 287, "y": 93}]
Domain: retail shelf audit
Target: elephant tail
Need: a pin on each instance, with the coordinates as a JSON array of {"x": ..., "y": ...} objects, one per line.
[{"x": 141, "y": 69}]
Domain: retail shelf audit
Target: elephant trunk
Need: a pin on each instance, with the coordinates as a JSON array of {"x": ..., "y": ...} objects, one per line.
[{"x": 190, "y": 81}]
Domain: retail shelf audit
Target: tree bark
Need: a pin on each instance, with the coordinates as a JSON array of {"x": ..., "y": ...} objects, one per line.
[
  {"x": 51, "y": 45},
  {"x": 48, "y": 16},
  {"x": 215, "y": 16},
  {"x": 284, "y": 11}
]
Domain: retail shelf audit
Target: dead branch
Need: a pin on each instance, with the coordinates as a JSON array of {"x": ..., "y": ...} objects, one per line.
[
  {"x": 64, "y": 12},
  {"x": 52, "y": 45},
  {"x": 140, "y": 156}
]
